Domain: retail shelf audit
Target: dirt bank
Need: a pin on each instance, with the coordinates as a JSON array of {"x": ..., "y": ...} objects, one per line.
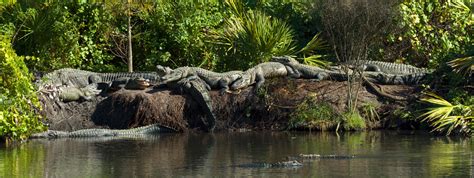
[{"x": 268, "y": 108}]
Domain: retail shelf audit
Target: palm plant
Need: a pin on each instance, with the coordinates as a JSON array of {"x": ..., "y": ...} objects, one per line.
[
  {"x": 256, "y": 37},
  {"x": 316, "y": 43},
  {"x": 446, "y": 117}
]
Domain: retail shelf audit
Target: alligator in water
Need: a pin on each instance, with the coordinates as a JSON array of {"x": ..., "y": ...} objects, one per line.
[
  {"x": 283, "y": 164},
  {"x": 318, "y": 156},
  {"x": 145, "y": 130}
]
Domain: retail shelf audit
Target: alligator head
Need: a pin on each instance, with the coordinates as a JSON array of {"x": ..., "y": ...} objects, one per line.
[
  {"x": 162, "y": 70},
  {"x": 284, "y": 59},
  {"x": 245, "y": 80}
]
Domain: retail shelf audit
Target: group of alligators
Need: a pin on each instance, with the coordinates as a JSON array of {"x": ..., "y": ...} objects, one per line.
[{"x": 73, "y": 85}]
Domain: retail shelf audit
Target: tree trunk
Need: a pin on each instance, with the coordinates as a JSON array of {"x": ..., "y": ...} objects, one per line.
[{"x": 130, "y": 57}]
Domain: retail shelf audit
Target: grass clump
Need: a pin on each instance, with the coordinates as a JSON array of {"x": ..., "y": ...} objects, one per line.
[
  {"x": 353, "y": 121},
  {"x": 312, "y": 114}
]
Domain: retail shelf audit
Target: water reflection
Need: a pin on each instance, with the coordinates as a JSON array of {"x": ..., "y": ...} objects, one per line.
[{"x": 379, "y": 154}]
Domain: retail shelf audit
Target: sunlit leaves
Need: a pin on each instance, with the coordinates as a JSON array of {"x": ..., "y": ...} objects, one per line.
[
  {"x": 436, "y": 29},
  {"x": 18, "y": 101},
  {"x": 446, "y": 117},
  {"x": 463, "y": 65}
]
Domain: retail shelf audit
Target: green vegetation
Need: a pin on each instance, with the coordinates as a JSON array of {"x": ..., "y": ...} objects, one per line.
[
  {"x": 314, "y": 114},
  {"x": 369, "y": 111},
  {"x": 319, "y": 115},
  {"x": 445, "y": 117},
  {"x": 353, "y": 121},
  {"x": 19, "y": 104},
  {"x": 252, "y": 35},
  {"x": 434, "y": 31}
]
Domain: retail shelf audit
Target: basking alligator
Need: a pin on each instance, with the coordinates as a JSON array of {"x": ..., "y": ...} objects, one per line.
[
  {"x": 386, "y": 67},
  {"x": 73, "y": 84},
  {"x": 399, "y": 74},
  {"x": 283, "y": 164},
  {"x": 199, "y": 91},
  {"x": 145, "y": 130},
  {"x": 215, "y": 80},
  {"x": 256, "y": 75},
  {"x": 82, "y": 78},
  {"x": 137, "y": 83},
  {"x": 67, "y": 94}
]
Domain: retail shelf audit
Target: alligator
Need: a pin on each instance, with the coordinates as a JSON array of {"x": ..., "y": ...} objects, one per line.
[
  {"x": 74, "y": 84},
  {"x": 386, "y": 67},
  {"x": 199, "y": 91},
  {"x": 215, "y": 80},
  {"x": 82, "y": 78},
  {"x": 310, "y": 72},
  {"x": 282, "y": 164},
  {"x": 318, "y": 156},
  {"x": 152, "y": 129},
  {"x": 403, "y": 77},
  {"x": 67, "y": 94},
  {"x": 137, "y": 83},
  {"x": 256, "y": 75}
]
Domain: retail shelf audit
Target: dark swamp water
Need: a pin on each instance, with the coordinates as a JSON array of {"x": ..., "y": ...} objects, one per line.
[{"x": 378, "y": 154}]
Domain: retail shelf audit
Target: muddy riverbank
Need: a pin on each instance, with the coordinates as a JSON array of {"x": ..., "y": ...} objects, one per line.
[{"x": 269, "y": 108}]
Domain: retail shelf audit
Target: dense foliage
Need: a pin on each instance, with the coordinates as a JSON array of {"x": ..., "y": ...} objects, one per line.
[
  {"x": 60, "y": 34},
  {"x": 433, "y": 32},
  {"x": 19, "y": 104}
]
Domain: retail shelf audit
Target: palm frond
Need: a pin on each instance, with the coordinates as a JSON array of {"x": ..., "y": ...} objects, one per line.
[
  {"x": 461, "y": 4},
  {"x": 463, "y": 65},
  {"x": 316, "y": 43},
  {"x": 446, "y": 117},
  {"x": 316, "y": 60}
]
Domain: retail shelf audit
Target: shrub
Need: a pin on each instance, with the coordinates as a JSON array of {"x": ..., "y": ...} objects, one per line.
[
  {"x": 174, "y": 33},
  {"x": 433, "y": 31},
  {"x": 19, "y": 104},
  {"x": 60, "y": 34}
]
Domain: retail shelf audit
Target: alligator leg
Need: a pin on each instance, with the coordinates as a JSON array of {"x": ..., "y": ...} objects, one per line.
[
  {"x": 292, "y": 72},
  {"x": 259, "y": 79},
  {"x": 224, "y": 85},
  {"x": 199, "y": 90}
]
